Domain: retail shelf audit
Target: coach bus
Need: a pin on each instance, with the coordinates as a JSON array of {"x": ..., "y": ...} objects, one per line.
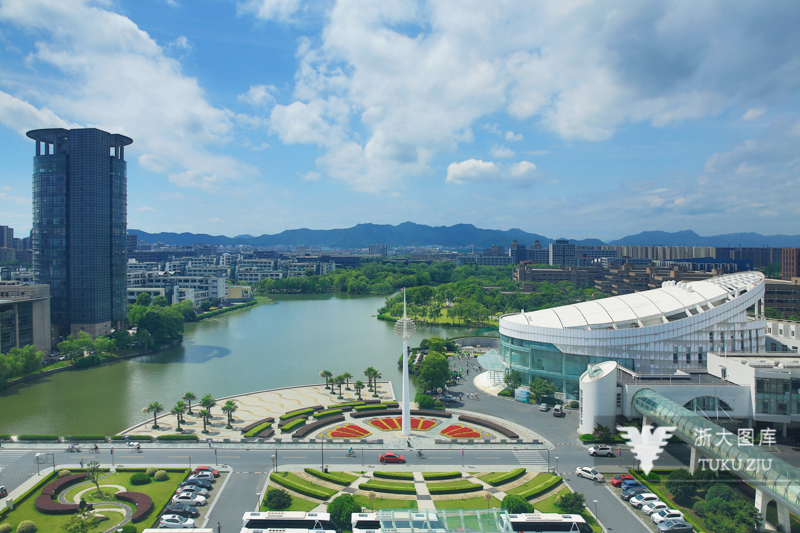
[
  {"x": 545, "y": 523},
  {"x": 288, "y": 522}
]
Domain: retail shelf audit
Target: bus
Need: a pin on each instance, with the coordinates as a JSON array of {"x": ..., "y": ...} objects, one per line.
[
  {"x": 398, "y": 521},
  {"x": 288, "y": 522},
  {"x": 545, "y": 523}
]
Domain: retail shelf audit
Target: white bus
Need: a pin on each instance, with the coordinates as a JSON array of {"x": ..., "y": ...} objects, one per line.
[
  {"x": 288, "y": 522},
  {"x": 397, "y": 521},
  {"x": 546, "y": 523}
]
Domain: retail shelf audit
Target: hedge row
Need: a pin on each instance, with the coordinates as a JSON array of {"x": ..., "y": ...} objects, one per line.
[
  {"x": 291, "y": 426},
  {"x": 454, "y": 487},
  {"x": 210, "y": 314},
  {"x": 88, "y": 437},
  {"x": 351, "y": 404},
  {"x": 37, "y": 437},
  {"x": 499, "y": 478},
  {"x": 299, "y": 412},
  {"x": 5, "y": 437},
  {"x": 340, "y": 478},
  {"x": 258, "y": 429},
  {"x": 588, "y": 437},
  {"x": 194, "y": 438},
  {"x": 371, "y": 407},
  {"x": 433, "y": 476},
  {"x": 392, "y": 487},
  {"x": 143, "y": 469},
  {"x": 329, "y": 412},
  {"x": 537, "y": 489},
  {"x": 291, "y": 481},
  {"x": 118, "y": 437},
  {"x": 394, "y": 475}
]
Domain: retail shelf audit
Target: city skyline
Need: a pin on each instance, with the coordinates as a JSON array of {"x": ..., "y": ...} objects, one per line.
[{"x": 261, "y": 115}]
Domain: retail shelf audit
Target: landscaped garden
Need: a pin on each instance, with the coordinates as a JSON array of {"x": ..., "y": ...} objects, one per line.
[
  {"x": 460, "y": 431},
  {"x": 345, "y": 431},
  {"x": 395, "y": 423}
]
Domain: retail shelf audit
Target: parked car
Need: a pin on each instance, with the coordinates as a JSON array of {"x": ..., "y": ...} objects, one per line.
[
  {"x": 666, "y": 514},
  {"x": 676, "y": 525},
  {"x": 633, "y": 491},
  {"x": 189, "y": 499},
  {"x": 653, "y": 507},
  {"x": 197, "y": 483},
  {"x": 589, "y": 473},
  {"x": 182, "y": 509},
  {"x": 174, "y": 521},
  {"x": 391, "y": 458},
  {"x": 640, "y": 499},
  {"x": 594, "y": 451},
  {"x": 205, "y": 476},
  {"x": 558, "y": 410},
  {"x": 544, "y": 407},
  {"x": 206, "y": 469},
  {"x": 617, "y": 481},
  {"x": 194, "y": 489},
  {"x": 629, "y": 484}
]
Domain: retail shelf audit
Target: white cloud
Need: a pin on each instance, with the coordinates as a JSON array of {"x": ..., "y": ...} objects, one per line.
[
  {"x": 312, "y": 176},
  {"x": 470, "y": 170},
  {"x": 513, "y": 137},
  {"x": 11, "y": 198},
  {"x": 522, "y": 169},
  {"x": 181, "y": 42},
  {"x": 259, "y": 95},
  {"x": 161, "y": 108},
  {"x": 154, "y": 163},
  {"x": 754, "y": 113},
  {"x": 501, "y": 151},
  {"x": 146, "y": 209},
  {"x": 196, "y": 179},
  {"x": 279, "y": 10}
]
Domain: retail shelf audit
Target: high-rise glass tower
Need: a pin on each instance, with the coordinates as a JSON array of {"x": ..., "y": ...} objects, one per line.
[{"x": 79, "y": 227}]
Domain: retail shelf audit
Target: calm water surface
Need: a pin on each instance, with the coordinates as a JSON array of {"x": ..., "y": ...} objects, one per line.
[{"x": 260, "y": 348}]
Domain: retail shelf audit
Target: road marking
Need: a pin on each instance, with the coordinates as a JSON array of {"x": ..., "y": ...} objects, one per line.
[
  {"x": 185, "y": 456},
  {"x": 234, "y": 457},
  {"x": 529, "y": 457},
  {"x": 482, "y": 457},
  {"x": 296, "y": 456}
]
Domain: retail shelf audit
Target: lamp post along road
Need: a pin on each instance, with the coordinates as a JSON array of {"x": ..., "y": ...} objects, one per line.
[{"x": 405, "y": 329}]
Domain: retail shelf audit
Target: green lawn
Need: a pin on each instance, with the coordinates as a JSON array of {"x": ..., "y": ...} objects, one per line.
[
  {"x": 298, "y": 504},
  {"x": 385, "y": 503},
  {"x": 548, "y": 505}
]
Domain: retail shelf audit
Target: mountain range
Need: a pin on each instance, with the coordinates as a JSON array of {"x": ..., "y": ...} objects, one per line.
[{"x": 411, "y": 234}]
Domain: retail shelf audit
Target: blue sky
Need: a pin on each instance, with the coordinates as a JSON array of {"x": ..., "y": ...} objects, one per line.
[{"x": 568, "y": 119}]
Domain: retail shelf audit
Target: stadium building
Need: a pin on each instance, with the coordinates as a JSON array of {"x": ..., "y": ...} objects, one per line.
[{"x": 656, "y": 333}]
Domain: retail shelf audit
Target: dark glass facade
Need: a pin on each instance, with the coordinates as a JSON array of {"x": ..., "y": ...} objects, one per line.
[
  {"x": 79, "y": 225},
  {"x": 16, "y": 319}
]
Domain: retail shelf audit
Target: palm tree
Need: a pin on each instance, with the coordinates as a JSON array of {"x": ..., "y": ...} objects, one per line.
[
  {"x": 178, "y": 411},
  {"x": 229, "y": 408},
  {"x": 369, "y": 372},
  {"x": 326, "y": 374},
  {"x": 205, "y": 415},
  {"x": 358, "y": 385},
  {"x": 376, "y": 377},
  {"x": 189, "y": 396},
  {"x": 154, "y": 408},
  {"x": 182, "y": 405},
  {"x": 347, "y": 377},
  {"x": 339, "y": 381},
  {"x": 207, "y": 402}
]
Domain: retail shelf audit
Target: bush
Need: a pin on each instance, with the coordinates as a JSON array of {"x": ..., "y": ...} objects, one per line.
[
  {"x": 118, "y": 437},
  {"x": 505, "y": 393},
  {"x": 5, "y": 528},
  {"x": 78, "y": 438},
  {"x": 572, "y": 503},
  {"x": 140, "y": 478},
  {"x": 370, "y": 407},
  {"x": 329, "y": 412},
  {"x": 454, "y": 487},
  {"x": 26, "y": 526},
  {"x": 574, "y": 404},
  {"x": 178, "y": 437},
  {"x": 437, "y": 404},
  {"x": 341, "y": 508},
  {"x": 291, "y": 481},
  {"x": 64, "y": 473},
  {"x": 340, "y": 478},
  {"x": 299, "y": 412},
  {"x": 161, "y": 475},
  {"x": 291, "y": 426},
  {"x": 503, "y": 477},
  {"x": 699, "y": 508},
  {"x": 87, "y": 361},
  {"x": 435, "y": 476},
  {"x": 258, "y": 429},
  {"x": 395, "y": 487},
  {"x": 424, "y": 402},
  {"x": 37, "y": 437},
  {"x": 277, "y": 499},
  {"x": 681, "y": 484},
  {"x": 151, "y": 471},
  {"x": 393, "y": 475},
  {"x": 516, "y": 504}
]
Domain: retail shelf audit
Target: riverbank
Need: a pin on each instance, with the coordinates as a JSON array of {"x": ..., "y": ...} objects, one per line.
[{"x": 234, "y": 307}]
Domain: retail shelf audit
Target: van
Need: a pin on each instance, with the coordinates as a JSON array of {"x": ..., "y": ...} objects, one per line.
[{"x": 558, "y": 410}]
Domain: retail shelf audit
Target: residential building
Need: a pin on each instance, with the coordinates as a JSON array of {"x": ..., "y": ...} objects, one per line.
[
  {"x": 784, "y": 296},
  {"x": 629, "y": 278},
  {"x": 6, "y": 237},
  {"x": 483, "y": 260},
  {"x": 790, "y": 264},
  {"x": 783, "y": 336},
  {"x": 579, "y": 276},
  {"x": 24, "y": 316},
  {"x": 379, "y": 249},
  {"x": 79, "y": 227},
  {"x": 494, "y": 251},
  {"x": 131, "y": 242}
]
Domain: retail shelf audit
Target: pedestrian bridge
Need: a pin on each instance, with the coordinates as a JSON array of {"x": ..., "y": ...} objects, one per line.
[{"x": 773, "y": 478}]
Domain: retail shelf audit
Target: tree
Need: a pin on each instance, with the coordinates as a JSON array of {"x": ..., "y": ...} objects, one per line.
[
  {"x": 155, "y": 408},
  {"x": 339, "y": 381},
  {"x": 178, "y": 411},
  {"x": 434, "y": 371},
  {"x": 144, "y": 299},
  {"x": 229, "y": 408},
  {"x": 375, "y": 379},
  {"x": 704, "y": 478},
  {"x": 93, "y": 474},
  {"x": 341, "y": 508},
  {"x": 358, "y": 386},
  {"x": 207, "y": 402},
  {"x": 513, "y": 379},
  {"x": 370, "y": 374},
  {"x": 189, "y": 396},
  {"x": 205, "y": 305},
  {"x": 277, "y": 499},
  {"x": 571, "y": 503},
  {"x": 82, "y": 522},
  {"x": 205, "y": 415},
  {"x": 347, "y": 377},
  {"x": 425, "y": 402},
  {"x": 681, "y": 484},
  {"x": 182, "y": 405},
  {"x": 215, "y": 302},
  {"x": 516, "y": 504},
  {"x": 160, "y": 301},
  {"x": 541, "y": 387},
  {"x": 326, "y": 375},
  {"x": 601, "y": 432}
]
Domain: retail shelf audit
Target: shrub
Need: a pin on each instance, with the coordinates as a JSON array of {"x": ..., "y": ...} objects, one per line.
[
  {"x": 574, "y": 404},
  {"x": 437, "y": 404},
  {"x": 37, "y": 437},
  {"x": 290, "y": 481},
  {"x": 516, "y": 504},
  {"x": 431, "y": 476},
  {"x": 151, "y": 471},
  {"x": 258, "y": 429},
  {"x": 88, "y": 437},
  {"x": 26, "y": 526},
  {"x": 341, "y": 508},
  {"x": 64, "y": 473},
  {"x": 394, "y": 475},
  {"x": 277, "y": 499},
  {"x": 340, "y": 478},
  {"x": 161, "y": 475},
  {"x": 424, "y": 402},
  {"x": 89, "y": 360},
  {"x": 572, "y": 503},
  {"x": 699, "y": 508},
  {"x": 177, "y": 437},
  {"x": 681, "y": 484},
  {"x": 293, "y": 414},
  {"x": 389, "y": 486},
  {"x": 329, "y": 412},
  {"x": 509, "y": 394},
  {"x": 5, "y": 528},
  {"x": 503, "y": 477},
  {"x": 128, "y": 528},
  {"x": 118, "y": 437},
  {"x": 140, "y": 478},
  {"x": 291, "y": 426},
  {"x": 454, "y": 487},
  {"x": 370, "y": 407}
]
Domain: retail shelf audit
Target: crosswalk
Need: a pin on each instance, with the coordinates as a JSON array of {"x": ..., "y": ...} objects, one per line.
[
  {"x": 9, "y": 456},
  {"x": 530, "y": 457}
]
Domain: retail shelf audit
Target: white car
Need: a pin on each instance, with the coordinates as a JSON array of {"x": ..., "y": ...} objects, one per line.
[
  {"x": 174, "y": 521},
  {"x": 654, "y": 507},
  {"x": 189, "y": 499},
  {"x": 206, "y": 476},
  {"x": 193, "y": 489},
  {"x": 589, "y": 473},
  {"x": 601, "y": 450},
  {"x": 666, "y": 514},
  {"x": 642, "y": 499}
]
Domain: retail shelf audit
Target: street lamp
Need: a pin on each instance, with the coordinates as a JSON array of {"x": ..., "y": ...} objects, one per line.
[
  {"x": 216, "y": 462},
  {"x": 595, "y": 510},
  {"x": 322, "y": 455},
  {"x": 405, "y": 329},
  {"x": 275, "y": 462},
  {"x": 556, "y": 470}
]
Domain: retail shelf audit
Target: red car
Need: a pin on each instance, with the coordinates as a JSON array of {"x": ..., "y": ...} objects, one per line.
[
  {"x": 391, "y": 458},
  {"x": 617, "y": 481},
  {"x": 206, "y": 469}
]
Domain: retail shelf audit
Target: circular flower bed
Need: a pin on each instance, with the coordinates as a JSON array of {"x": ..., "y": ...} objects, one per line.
[
  {"x": 345, "y": 431},
  {"x": 395, "y": 423},
  {"x": 458, "y": 431}
]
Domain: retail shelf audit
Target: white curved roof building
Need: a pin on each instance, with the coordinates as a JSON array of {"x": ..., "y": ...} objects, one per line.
[{"x": 654, "y": 332}]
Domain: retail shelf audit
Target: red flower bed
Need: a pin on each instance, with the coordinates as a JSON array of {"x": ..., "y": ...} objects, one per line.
[
  {"x": 350, "y": 431},
  {"x": 455, "y": 431},
  {"x": 422, "y": 424},
  {"x": 395, "y": 423}
]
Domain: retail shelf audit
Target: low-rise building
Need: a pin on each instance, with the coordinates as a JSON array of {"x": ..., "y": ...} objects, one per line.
[
  {"x": 783, "y": 296},
  {"x": 783, "y": 336},
  {"x": 24, "y": 316}
]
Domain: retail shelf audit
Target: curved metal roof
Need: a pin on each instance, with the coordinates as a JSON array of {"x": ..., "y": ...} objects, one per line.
[{"x": 643, "y": 308}]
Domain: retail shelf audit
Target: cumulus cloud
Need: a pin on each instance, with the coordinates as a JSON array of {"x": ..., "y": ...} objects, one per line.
[
  {"x": 501, "y": 151},
  {"x": 513, "y": 137},
  {"x": 88, "y": 50},
  {"x": 181, "y": 42},
  {"x": 154, "y": 163},
  {"x": 312, "y": 176},
  {"x": 259, "y": 95},
  {"x": 13, "y": 199},
  {"x": 476, "y": 170},
  {"x": 278, "y": 10},
  {"x": 752, "y": 114},
  {"x": 146, "y": 209}
]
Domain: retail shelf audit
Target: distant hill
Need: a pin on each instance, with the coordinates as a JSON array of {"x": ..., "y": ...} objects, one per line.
[{"x": 411, "y": 234}]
